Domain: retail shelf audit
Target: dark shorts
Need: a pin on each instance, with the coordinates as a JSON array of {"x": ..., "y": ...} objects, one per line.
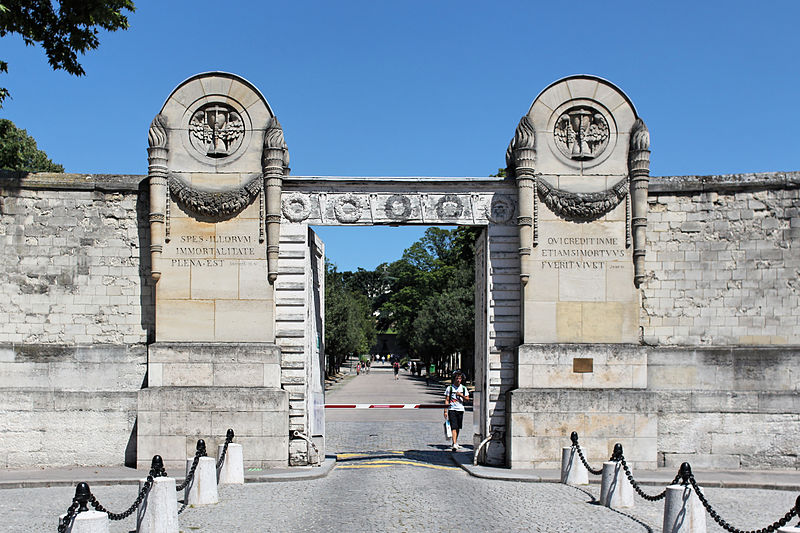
[{"x": 456, "y": 418}]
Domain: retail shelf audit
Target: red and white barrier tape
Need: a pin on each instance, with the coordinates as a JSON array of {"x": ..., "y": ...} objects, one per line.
[{"x": 385, "y": 406}]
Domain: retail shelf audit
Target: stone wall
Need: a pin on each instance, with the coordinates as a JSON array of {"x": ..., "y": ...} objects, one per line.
[
  {"x": 723, "y": 264},
  {"x": 76, "y": 315}
]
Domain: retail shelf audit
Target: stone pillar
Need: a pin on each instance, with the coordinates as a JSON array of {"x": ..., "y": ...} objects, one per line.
[
  {"x": 683, "y": 511},
  {"x": 573, "y": 472},
  {"x": 88, "y": 522},
  {"x": 157, "y": 174},
  {"x": 232, "y": 470},
  {"x": 615, "y": 489},
  {"x": 639, "y": 165},
  {"x": 273, "y": 158},
  {"x": 524, "y": 158},
  {"x": 202, "y": 490},
  {"x": 158, "y": 513}
]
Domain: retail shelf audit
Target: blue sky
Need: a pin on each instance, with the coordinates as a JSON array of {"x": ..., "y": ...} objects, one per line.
[{"x": 431, "y": 88}]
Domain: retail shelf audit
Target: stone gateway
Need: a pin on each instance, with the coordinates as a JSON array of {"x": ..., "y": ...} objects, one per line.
[{"x": 143, "y": 312}]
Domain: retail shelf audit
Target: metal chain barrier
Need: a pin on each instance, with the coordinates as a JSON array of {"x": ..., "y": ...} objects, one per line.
[
  {"x": 620, "y": 458},
  {"x": 201, "y": 452},
  {"x": 574, "y": 438},
  {"x": 228, "y": 440},
  {"x": 688, "y": 478},
  {"x": 83, "y": 497}
]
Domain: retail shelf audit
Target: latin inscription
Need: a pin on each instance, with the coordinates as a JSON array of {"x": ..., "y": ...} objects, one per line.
[
  {"x": 583, "y": 253},
  {"x": 194, "y": 250}
]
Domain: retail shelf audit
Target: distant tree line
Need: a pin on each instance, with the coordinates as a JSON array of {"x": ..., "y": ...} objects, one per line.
[{"x": 426, "y": 298}]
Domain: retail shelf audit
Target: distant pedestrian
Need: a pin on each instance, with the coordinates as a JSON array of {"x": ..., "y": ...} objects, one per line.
[
  {"x": 358, "y": 368},
  {"x": 455, "y": 395},
  {"x": 396, "y": 367}
]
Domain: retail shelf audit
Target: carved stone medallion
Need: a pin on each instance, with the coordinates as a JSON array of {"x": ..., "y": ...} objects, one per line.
[
  {"x": 581, "y": 133},
  {"x": 296, "y": 207},
  {"x": 501, "y": 210},
  {"x": 347, "y": 208},
  {"x": 449, "y": 206},
  {"x": 216, "y": 130},
  {"x": 398, "y": 207}
]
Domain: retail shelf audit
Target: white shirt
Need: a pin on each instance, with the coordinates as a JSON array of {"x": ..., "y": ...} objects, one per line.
[{"x": 455, "y": 402}]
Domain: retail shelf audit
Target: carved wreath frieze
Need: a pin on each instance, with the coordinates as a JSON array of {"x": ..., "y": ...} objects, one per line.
[
  {"x": 449, "y": 206},
  {"x": 296, "y": 207},
  {"x": 398, "y": 207},
  {"x": 347, "y": 208},
  {"x": 500, "y": 210},
  {"x": 214, "y": 203},
  {"x": 584, "y": 206}
]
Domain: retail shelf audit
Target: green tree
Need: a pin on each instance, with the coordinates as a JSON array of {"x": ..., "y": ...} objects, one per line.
[
  {"x": 64, "y": 28},
  {"x": 349, "y": 324},
  {"x": 18, "y": 151}
]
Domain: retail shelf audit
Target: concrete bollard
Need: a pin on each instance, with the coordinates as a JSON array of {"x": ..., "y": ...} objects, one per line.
[
  {"x": 232, "y": 470},
  {"x": 203, "y": 488},
  {"x": 789, "y": 529},
  {"x": 158, "y": 512},
  {"x": 87, "y": 522},
  {"x": 572, "y": 470},
  {"x": 615, "y": 489},
  {"x": 683, "y": 511}
]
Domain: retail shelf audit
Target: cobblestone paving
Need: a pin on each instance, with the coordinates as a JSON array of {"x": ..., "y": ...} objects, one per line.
[
  {"x": 402, "y": 480},
  {"x": 402, "y": 497}
]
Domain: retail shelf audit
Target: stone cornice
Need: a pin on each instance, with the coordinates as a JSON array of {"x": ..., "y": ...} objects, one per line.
[{"x": 658, "y": 184}]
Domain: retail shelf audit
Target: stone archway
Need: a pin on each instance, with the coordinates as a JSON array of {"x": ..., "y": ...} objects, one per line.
[{"x": 235, "y": 264}]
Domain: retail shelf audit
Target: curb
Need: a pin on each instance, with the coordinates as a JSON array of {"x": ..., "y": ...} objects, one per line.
[
  {"x": 301, "y": 473},
  {"x": 503, "y": 474}
]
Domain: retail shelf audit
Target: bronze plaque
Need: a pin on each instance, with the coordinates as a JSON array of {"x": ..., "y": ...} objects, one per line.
[{"x": 582, "y": 365}]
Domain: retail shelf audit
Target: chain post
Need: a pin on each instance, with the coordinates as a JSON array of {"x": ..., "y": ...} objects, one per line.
[
  {"x": 574, "y": 438},
  {"x": 685, "y": 472},
  {"x": 229, "y": 436},
  {"x": 616, "y": 456},
  {"x": 157, "y": 467},
  {"x": 82, "y": 496}
]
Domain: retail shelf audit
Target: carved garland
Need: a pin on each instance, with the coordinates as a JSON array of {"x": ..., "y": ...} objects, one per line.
[
  {"x": 213, "y": 203},
  {"x": 581, "y": 206}
]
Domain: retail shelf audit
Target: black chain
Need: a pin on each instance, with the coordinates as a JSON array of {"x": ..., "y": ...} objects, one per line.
[
  {"x": 156, "y": 470},
  {"x": 67, "y": 520},
  {"x": 228, "y": 440},
  {"x": 201, "y": 452},
  {"x": 639, "y": 491},
  {"x": 577, "y": 447},
  {"x": 725, "y": 525},
  {"x": 129, "y": 510}
]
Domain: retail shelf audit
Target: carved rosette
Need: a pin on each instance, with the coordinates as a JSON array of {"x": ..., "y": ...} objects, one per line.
[
  {"x": 398, "y": 207},
  {"x": 500, "y": 210},
  {"x": 157, "y": 153},
  {"x": 639, "y": 169},
  {"x": 449, "y": 207},
  {"x": 347, "y": 208},
  {"x": 582, "y": 207},
  {"x": 296, "y": 207}
]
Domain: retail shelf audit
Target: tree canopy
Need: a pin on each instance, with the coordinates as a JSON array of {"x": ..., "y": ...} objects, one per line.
[
  {"x": 64, "y": 28},
  {"x": 18, "y": 151}
]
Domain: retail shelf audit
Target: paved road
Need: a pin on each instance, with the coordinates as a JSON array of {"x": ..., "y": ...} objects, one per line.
[{"x": 395, "y": 474}]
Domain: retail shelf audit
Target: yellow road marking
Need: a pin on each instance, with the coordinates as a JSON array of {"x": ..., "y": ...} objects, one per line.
[
  {"x": 349, "y": 455},
  {"x": 385, "y": 463}
]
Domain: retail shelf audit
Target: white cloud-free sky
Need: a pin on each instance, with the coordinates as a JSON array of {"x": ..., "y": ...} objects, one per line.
[{"x": 428, "y": 88}]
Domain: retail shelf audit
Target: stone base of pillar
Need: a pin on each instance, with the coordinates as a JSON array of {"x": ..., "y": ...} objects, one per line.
[
  {"x": 615, "y": 489},
  {"x": 232, "y": 470},
  {"x": 158, "y": 513},
  {"x": 202, "y": 490},
  {"x": 88, "y": 522},
  {"x": 683, "y": 511},
  {"x": 572, "y": 470}
]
